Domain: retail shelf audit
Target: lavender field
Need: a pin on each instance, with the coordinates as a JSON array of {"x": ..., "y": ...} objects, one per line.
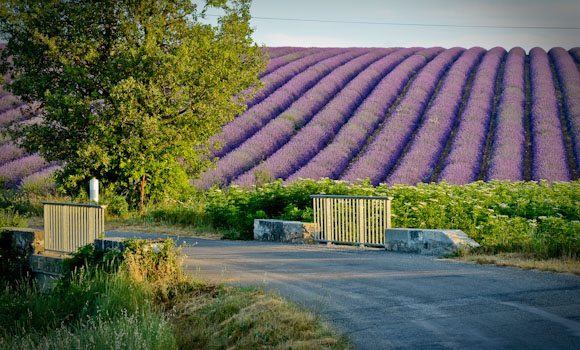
[{"x": 392, "y": 115}]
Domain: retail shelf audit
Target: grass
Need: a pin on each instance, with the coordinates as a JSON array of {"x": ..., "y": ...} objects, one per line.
[
  {"x": 142, "y": 225},
  {"x": 142, "y": 299},
  {"x": 524, "y": 262},
  {"x": 219, "y": 317}
]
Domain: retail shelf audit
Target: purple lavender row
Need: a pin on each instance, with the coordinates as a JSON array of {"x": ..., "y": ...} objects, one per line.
[
  {"x": 40, "y": 181},
  {"x": 508, "y": 147},
  {"x": 241, "y": 128},
  {"x": 278, "y": 62},
  {"x": 381, "y": 155},
  {"x": 8, "y": 102},
  {"x": 575, "y": 52},
  {"x": 423, "y": 155},
  {"x": 11, "y": 115},
  {"x": 278, "y": 51},
  {"x": 335, "y": 157},
  {"x": 464, "y": 161},
  {"x": 9, "y": 152},
  {"x": 12, "y": 172},
  {"x": 3, "y": 93},
  {"x": 324, "y": 125},
  {"x": 279, "y": 77},
  {"x": 277, "y": 132},
  {"x": 548, "y": 151},
  {"x": 570, "y": 81}
]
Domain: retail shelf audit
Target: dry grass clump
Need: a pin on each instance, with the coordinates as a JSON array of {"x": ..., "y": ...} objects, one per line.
[
  {"x": 525, "y": 262},
  {"x": 147, "y": 226},
  {"x": 227, "y": 318}
]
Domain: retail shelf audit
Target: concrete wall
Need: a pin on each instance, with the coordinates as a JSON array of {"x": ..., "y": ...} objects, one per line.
[
  {"x": 26, "y": 241},
  {"x": 283, "y": 231},
  {"x": 428, "y": 242}
]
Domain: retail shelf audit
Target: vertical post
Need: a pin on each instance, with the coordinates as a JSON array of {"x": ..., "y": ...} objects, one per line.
[
  {"x": 361, "y": 220},
  {"x": 47, "y": 233},
  {"x": 389, "y": 212},
  {"x": 94, "y": 190},
  {"x": 328, "y": 219},
  {"x": 315, "y": 214}
]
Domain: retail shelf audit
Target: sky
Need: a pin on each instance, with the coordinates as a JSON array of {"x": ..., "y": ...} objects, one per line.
[{"x": 446, "y": 23}]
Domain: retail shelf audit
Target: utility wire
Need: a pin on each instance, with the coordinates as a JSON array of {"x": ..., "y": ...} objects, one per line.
[{"x": 407, "y": 24}]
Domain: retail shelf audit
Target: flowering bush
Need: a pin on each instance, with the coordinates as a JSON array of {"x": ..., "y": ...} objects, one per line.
[{"x": 531, "y": 217}]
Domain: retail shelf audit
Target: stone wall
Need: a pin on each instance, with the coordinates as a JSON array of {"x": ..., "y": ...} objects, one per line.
[{"x": 283, "y": 231}]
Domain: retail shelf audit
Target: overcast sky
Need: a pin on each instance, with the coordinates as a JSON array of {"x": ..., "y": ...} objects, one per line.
[{"x": 455, "y": 13}]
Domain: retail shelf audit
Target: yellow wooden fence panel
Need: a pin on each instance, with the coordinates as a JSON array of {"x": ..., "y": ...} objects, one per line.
[
  {"x": 351, "y": 219},
  {"x": 68, "y": 226}
]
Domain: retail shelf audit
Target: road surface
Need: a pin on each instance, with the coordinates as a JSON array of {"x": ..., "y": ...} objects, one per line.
[{"x": 388, "y": 300}]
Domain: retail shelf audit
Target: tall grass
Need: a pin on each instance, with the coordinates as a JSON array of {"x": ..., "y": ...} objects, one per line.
[
  {"x": 94, "y": 310},
  {"x": 97, "y": 313},
  {"x": 145, "y": 301}
]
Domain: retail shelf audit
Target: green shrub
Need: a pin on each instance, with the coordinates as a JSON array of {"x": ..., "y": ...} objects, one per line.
[
  {"x": 11, "y": 218},
  {"x": 19, "y": 202},
  {"x": 12, "y": 266},
  {"x": 532, "y": 217},
  {"x": 117, "y": 205}
]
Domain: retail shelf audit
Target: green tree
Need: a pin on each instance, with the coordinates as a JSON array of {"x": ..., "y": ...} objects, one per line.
[{"x": 130, "y": 91}]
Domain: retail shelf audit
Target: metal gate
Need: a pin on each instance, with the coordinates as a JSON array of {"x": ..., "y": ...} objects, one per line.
[
  {"x": 351, "y": 219},
  {"x": 68, "y": 226}
]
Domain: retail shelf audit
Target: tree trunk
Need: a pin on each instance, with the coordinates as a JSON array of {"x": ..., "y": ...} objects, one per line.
[{"x": 142, "y": 195}]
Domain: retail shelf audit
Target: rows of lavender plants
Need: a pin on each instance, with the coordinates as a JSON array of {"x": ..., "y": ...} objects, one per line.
[
  {"x": 418, "y": 163},
  {"x": 274, "y": 52},
  {"x": 335, "y": 157},
  {"x": 280, "y": 76},
  {"x": 40, "y": 182},
  {"x": 11, "y": 173},
  {"x": 508, "y": 147},
  {"x": 245, "y": 125},
  {"x": 382, "y": 154},
  {"x": 466, "y": 153},
  {"x": 575, "y": 52},
  {"x": 9, "y": 152},
  {"x": 277, "y": 132},
  {"x": 569, "y": 78},
  {"x": 275, "y": 63},
  {"x": 324, "y": 125},
  {"x": 12, "y": 115},
  {"x": 8, "y": 102},
  {"x": 367, "y": 113},
  {"x": 549, "y": 154}
]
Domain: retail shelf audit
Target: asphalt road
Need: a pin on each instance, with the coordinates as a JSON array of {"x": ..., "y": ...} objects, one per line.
[{"x": 386, "y": 300}]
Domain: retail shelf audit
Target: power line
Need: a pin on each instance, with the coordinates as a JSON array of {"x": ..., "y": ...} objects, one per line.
[{"x": 407, "y": 24}]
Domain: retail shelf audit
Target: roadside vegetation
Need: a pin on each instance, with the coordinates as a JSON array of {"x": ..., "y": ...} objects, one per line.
[
  {"x": 512, "y": 221},
  {"x": 538, "y": 219},
  {"x": 141, "y": 299}
]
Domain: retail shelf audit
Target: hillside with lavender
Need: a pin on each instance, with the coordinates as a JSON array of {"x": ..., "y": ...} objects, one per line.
[{"x": 392, "y": 115}]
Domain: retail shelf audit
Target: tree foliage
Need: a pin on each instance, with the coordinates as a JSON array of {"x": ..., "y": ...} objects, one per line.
[{"x": 130, "y": 91}]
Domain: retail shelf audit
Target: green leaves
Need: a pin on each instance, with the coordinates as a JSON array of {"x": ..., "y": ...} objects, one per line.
[{"x": 128, "y": 88}]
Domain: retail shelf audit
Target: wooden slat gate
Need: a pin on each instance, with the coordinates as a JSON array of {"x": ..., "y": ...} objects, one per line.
[
  {"x": 68, "y": 226},
  {"x": 351, "y": 219}
]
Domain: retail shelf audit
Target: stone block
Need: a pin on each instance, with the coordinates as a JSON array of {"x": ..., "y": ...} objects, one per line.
[
  {"x": 110, "y": 243},
  {"x": 26, "y": 241},
  {"x": 47, "y": 268},
  {"x": 428, "y": 242},
  {"x": 49, "y": 264},
  {"x": 283, "y": 231}
]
